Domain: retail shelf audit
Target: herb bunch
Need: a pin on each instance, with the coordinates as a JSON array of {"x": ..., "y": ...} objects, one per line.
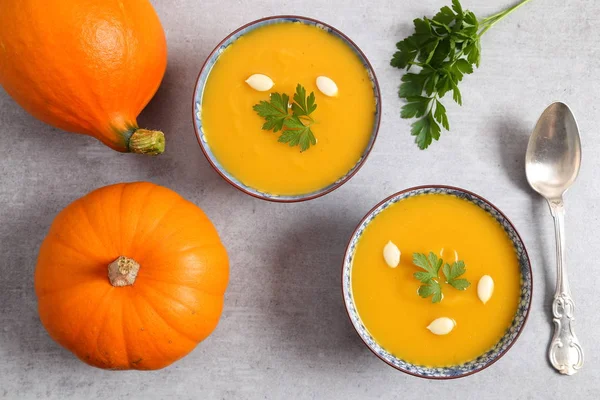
[
  {"x": 295, "y": 126},
  {"x": 445, "y": 48},
  {"x": 430, "y": 279}
]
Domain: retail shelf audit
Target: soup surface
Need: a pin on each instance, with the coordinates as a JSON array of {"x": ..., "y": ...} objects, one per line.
[
  {"x": 290, "y": 54},
  {"x": 386, "y": 298}
]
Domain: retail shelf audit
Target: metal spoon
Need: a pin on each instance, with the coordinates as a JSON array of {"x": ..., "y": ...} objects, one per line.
[{"x": 552, "y": 164}]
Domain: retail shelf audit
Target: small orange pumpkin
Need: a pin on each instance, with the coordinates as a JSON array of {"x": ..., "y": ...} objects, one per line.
[
  {"x": 131, "y": 276},
  {"x": 85, "y": 66}
]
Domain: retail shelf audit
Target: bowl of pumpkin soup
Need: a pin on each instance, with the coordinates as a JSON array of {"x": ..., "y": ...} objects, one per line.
[
  {"x": 437, "y": 282},
  {"x": 286, "y": 108}
]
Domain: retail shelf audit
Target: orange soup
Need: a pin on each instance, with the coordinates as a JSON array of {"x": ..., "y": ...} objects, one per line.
[
  {"x": 386, "y": 298},
  {"x": 290, "y": 54}
]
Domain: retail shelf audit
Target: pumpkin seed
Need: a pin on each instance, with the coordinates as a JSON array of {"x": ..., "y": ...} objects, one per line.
[
  {"x": 391, "y": 254},
  {"x": 442, "y": 326},
  {"x": 327, "y": 86},
  {"x": 260, "y": 82},
  {"x": 485, "y": 288}
]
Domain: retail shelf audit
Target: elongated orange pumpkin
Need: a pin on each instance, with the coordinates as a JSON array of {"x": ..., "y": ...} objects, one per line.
[
  {"x": 85, "y": 66},
  {"x": 131, "y": 276}
]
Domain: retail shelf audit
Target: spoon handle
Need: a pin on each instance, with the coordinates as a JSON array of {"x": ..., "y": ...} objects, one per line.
[{"x": 565, "y": 353}]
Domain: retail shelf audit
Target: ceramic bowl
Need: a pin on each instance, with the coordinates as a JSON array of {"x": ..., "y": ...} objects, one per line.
[
  {"x": 512, "y": 333},
  {"x": 197, "y": 107}
]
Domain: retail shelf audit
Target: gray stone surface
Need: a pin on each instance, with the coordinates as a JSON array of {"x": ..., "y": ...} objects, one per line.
[{"x": 284, "y": 332}]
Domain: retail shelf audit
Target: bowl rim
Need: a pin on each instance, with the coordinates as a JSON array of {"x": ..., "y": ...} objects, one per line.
[
  {"x": 355, "y": 168},
  {"x": 411, "y": 189}
]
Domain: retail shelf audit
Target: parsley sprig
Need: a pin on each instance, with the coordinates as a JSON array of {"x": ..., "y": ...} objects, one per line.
[
  {"x": 295, "y": 126},
  {"x": 445, "y": 48},
  {"x": 430, "y": 279}
]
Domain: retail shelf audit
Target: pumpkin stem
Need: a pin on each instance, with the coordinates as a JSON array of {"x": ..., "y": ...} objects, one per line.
[
  {"x": 144, "y": 141},
  {"x": 123, "y": 271}
]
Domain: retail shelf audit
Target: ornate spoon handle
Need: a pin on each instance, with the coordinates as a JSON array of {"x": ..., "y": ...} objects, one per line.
[{"x": 565, "y": 353}]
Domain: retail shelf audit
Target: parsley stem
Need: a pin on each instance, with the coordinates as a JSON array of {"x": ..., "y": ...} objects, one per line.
[
  {"x": 308, "y": 119},
  {"x": 490, "y": 21},
  {"x": 431, "y": 103}
]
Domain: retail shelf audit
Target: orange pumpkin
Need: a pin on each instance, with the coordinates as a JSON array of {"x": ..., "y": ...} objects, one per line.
[
  {"x": 131, "y": 276},
  {"x": 85, "y": 66}
]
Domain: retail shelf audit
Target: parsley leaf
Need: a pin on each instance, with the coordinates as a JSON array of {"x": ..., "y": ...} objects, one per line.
[
  {"x": 413, "y": 85},
  {"x": 452, "y": 272},
  {"x": 440, "y": 114},
  {"x": 425, "y": 130},
  {"x": 415, "y": 107},
  {"x": 444, "y": 48},
  {"x": 431, "y": 265},
  {"x": 298, "y": 134},
  {"x": 294, "y": 126},
  {"x": 429, "y": 277},
  {"x": 457, "y": 7},
  {"x": 275, "y": 112},
  {"x": 303, "y": 105},
  {"x": 431, "y": 288}
]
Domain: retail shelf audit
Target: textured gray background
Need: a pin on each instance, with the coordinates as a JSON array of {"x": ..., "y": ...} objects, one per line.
[{"x": 284, "y": 332}]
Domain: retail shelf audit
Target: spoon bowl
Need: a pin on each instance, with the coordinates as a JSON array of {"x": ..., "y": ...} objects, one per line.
[{"x": 554, "y": 152}]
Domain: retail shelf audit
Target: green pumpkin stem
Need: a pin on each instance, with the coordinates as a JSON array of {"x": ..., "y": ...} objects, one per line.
[{"x": 144, "y": 141}]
